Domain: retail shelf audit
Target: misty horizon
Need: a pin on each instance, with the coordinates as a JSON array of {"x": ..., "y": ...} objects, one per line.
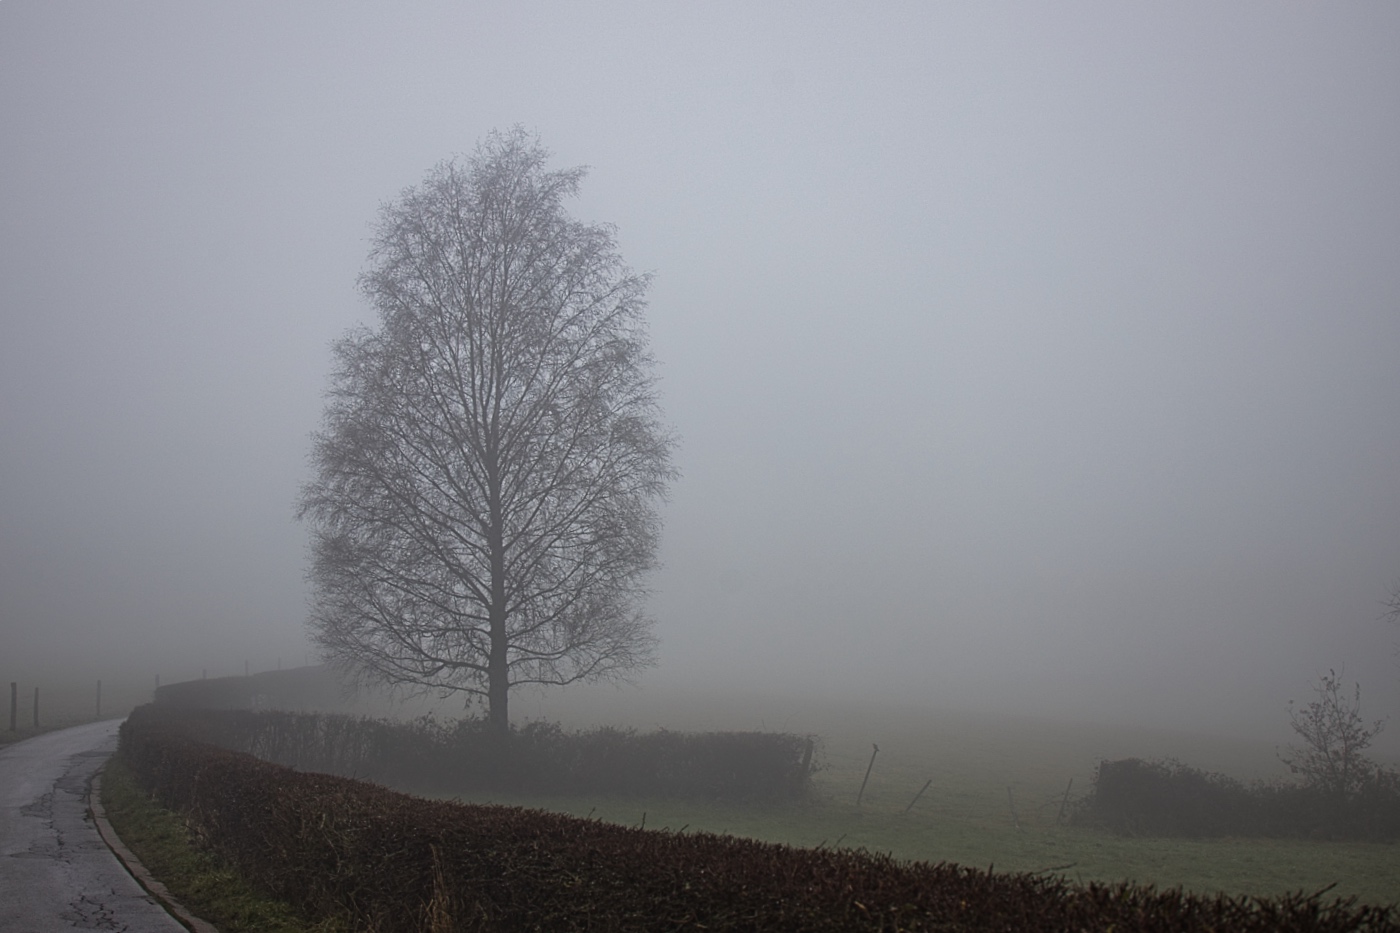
[{"x": 1023, "y": 361}]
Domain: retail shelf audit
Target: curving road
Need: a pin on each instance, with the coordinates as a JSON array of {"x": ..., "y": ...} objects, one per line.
[{"x": 56, "y": 874}]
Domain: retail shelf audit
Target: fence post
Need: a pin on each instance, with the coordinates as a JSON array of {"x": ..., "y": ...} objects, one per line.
[
  {"x": 918, "y": 795},
  {"x": 1061, "y": 815},
  {"x": 868, "y": 769}
]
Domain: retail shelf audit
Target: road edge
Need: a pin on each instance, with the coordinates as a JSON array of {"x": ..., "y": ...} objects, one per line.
[{"x": 133, "y": 865}]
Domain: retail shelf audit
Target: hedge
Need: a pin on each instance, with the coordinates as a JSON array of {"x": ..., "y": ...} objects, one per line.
[
  {"x": 1167, "y": 798},
  {"x": 390, "y": 862},
  {"x": 466, "y": 755}
]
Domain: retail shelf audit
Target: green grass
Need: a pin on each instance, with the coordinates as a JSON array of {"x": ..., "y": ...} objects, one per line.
[
  {"x": 965, "y": 815},
  {"x": 1264, "y": 867},
  {"x": 209, "y": 888}
]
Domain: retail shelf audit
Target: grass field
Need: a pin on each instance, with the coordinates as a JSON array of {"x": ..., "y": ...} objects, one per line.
[{"x": 979, "y": 768}]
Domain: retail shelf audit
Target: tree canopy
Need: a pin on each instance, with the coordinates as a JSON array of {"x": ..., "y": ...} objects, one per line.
[{"x": 483, "y": 507}]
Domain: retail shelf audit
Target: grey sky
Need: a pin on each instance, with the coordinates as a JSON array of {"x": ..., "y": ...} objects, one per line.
[{"x": 1036, "y": 356}]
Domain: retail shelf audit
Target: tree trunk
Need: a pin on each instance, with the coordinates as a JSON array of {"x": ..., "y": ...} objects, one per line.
[
  {"x": 498, "y": 675},
  {"x": 497, "y": 669}
]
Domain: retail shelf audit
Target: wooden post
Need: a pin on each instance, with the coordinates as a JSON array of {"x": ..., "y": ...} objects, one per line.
[
  {"x": 14, "y": 705},
  {"x": 868, "y": 769},
  {"x": 918, "y": 795},
  {"x": 1059, "y": 816},
  {"x": 99, "y": 698},
  {"x": 36, "y": 707}
]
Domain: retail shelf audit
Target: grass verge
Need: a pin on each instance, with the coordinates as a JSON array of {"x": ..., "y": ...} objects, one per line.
[{"x": 196, "y": 877}]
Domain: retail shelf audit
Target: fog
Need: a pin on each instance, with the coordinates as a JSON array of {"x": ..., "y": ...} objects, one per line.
[{"x": 1038, "y": 359}]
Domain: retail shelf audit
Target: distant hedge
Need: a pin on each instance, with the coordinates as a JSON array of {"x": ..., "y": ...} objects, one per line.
[
  {"x": 428, "y": 756},
  {"x": 310, "y": 687},
  {"x": 388, "y": 862},
  {"x": 1167, "y": 798}
]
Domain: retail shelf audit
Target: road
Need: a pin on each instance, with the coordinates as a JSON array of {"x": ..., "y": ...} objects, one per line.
[{"x": 55, "y": 872}]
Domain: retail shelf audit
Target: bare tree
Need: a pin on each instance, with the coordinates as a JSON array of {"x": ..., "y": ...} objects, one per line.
[
  {"x": 483, "y": 511},
  {"x": 1332, "y": 757}
]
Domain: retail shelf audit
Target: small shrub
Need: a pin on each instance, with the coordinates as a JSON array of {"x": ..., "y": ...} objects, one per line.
[
  {"x": 1332, "y": 758},
  {"x": 1165, "y": 798}
]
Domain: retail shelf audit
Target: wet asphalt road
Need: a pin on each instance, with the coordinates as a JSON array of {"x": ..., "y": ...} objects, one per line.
[{"x": 55, "y": 872}]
